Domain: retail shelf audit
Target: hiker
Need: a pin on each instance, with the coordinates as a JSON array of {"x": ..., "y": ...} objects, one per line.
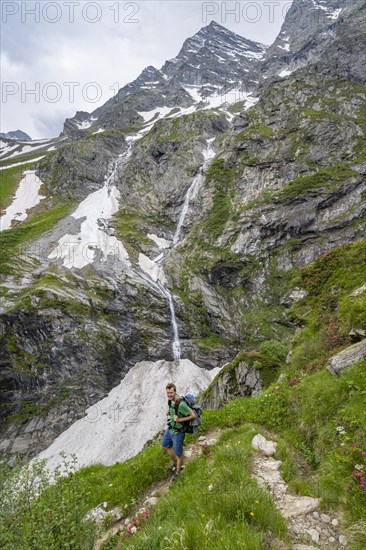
[{"x": 174, "y": 435}]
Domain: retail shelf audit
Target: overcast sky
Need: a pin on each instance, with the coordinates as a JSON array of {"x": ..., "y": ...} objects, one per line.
[{"x": 61, "y": 56}]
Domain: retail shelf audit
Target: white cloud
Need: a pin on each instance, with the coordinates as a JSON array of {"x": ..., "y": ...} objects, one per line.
[{"x": 108, "y": 52}]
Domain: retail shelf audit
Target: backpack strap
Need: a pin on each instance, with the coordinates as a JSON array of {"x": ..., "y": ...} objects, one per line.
[{"x": 177, "y": 402}]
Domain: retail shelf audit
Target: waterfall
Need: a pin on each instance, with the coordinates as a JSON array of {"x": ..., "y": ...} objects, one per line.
[
  {"x": 208, "y": 155},
  {"x": 152, "y": 271},
  {"x": 123, "y": 157},
  {"x": 176, "y": 342},
  {"x": 190, "y": 194}
]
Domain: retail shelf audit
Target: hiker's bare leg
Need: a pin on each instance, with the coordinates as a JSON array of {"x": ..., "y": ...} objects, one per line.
[
  {"x": 171, "y": 454},
  {"x": 179, "y": 463}
]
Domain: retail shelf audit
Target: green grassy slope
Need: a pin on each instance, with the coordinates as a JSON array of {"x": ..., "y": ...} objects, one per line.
[{"x": 318, "y": 421}]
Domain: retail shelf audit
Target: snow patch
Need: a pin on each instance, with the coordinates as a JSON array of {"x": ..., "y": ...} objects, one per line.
[
  {"x": 335, "y": 14},
  {"x": 286, "y": 45},
  {"x": 152, "y": 269},
  {"x": 284, "y": 73},
  {"x": 26, "y": 197},
  {"x": 162, "y": 243},
  {"x": 117, "y": 427},
  {"x": 95, "y": 237},
  {"x": 85, "y": 123},
  {"x": 81, "y": 249},
  {"x": 21, "y": 163},
  {"x": 161, "y": 111},
  {"x": 193, "y": 91}
]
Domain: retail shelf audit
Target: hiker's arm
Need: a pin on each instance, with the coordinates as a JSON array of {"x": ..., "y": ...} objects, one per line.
[{"x": 184, "y": 418}]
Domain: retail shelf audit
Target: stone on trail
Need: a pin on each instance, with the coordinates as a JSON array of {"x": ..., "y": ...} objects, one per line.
[
  {"x": 262, "y": 444},
  {"x": 298, "y": 505}
]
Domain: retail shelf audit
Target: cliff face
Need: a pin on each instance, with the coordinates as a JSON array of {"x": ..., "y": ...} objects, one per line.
[{"x": 181, "y": 221}]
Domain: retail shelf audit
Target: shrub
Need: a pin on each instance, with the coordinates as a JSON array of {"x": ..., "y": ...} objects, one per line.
[
  {"x": 40, "y": 511},
  {"x": 274, "y": 350}
]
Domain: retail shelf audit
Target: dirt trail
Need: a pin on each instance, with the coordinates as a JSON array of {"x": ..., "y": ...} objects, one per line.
[
  {"x": 309, "y": 528},
  {"x": 305, "y": 522},
  {"x": 150, "y": 497}
]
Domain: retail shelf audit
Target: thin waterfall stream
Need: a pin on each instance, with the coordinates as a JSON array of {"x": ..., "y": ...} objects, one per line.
[{"x": 154, "y": 269}]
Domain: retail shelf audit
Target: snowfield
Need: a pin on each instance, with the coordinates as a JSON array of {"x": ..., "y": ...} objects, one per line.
[{"x": 117, "y": 427}]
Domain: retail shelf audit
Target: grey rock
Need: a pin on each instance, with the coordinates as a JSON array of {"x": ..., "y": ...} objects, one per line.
[
  {"x": 335, "y": 522},
  {"x": 239, "y": 381},
  {"x": 314, "y": 535},
  {"x": 297, "y": 506},
  {"x": 295, "y": 529},
  {"x": 325, "y": 518},
  {"x": 358, "y": 291},
  {"x": 306, "y": 33},
  {"x": 16, "y": 135},
  {"x": 342, "y": 540},
  {"x": 99, "y": 515},
  {"x": 347, "y": 357},
  {"x": 13, "y": 462},
  {"x": 152, "y": 501},
  {"x": 357, "y": 334},
  {"x": 294, "y": 296},
  {"x": 262, "y": 444}
]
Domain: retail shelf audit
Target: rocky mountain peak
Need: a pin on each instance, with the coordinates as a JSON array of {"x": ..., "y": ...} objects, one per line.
[
  {"x": 309, "y": 29},
  {"x": 16, "y": 134},
  {"x": 214, "y": 43},
  {"x": 213, "y": 66}
]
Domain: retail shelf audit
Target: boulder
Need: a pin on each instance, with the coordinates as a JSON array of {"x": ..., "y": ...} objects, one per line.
[{"x": 347, "y": 357}]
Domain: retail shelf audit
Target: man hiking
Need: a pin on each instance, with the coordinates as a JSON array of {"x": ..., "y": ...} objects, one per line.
[{"x": 175, "y": 434}]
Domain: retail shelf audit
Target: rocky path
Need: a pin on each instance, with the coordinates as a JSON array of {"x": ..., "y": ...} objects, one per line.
[
  {"x": 309, "y": 528},
  {"x": 147, "y": 501},
  {"x": 306, "y": 523}
]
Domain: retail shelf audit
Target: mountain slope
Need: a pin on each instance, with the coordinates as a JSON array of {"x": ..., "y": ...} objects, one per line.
[{"x": 185, "y": 228}]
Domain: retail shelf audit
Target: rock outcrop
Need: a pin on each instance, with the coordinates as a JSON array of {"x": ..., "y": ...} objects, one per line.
[{"x": 347, "y": 357}]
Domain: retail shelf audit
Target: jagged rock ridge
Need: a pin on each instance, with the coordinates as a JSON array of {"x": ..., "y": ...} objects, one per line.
[{"x": 214, "y": 62}]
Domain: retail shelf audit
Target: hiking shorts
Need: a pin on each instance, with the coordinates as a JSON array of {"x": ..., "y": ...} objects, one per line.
[{"x": 173, "y": 440}]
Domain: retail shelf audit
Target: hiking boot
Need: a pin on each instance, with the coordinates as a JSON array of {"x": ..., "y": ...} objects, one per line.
[
  {"x": 172, "y": 467},
  {"x": 175, "y": 476}
]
